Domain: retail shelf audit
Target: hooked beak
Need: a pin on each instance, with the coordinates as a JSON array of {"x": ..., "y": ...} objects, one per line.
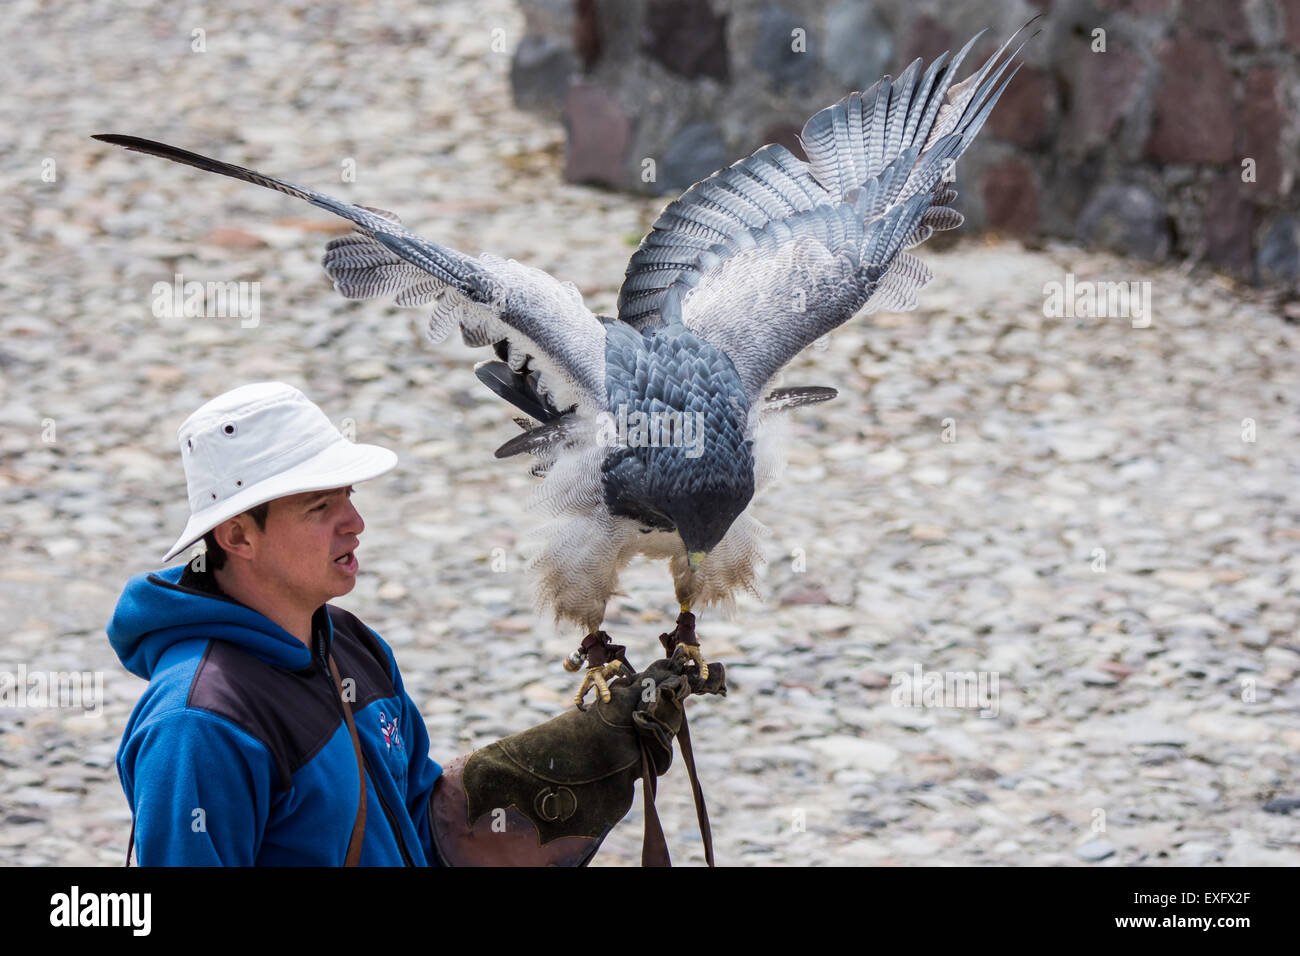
[{"x": 694, "y": 558}]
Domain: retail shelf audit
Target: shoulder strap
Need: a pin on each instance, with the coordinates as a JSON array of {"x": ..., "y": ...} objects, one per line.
[{"x": 359, "y": 827}]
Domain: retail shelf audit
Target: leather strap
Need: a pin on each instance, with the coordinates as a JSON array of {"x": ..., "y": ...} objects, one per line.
[
  {"x": 684, "y": 633},
  {"x": 359, "y": 827},
  {"x": 654, "y": 848},
  {"x": 701, "y": 811}
]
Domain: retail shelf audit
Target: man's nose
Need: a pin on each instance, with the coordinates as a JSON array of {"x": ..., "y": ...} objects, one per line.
[{"x": 352, "y": 523}]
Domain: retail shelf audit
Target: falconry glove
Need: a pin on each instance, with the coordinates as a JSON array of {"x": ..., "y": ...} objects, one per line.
[{"x": 551, "y": 794}]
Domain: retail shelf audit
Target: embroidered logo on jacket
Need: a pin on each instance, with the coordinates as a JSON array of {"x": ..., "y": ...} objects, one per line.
[{"x": 391, "y": 736}]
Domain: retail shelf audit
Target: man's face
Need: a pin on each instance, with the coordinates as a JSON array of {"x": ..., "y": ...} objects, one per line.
[{"x": 304, "y": 535}]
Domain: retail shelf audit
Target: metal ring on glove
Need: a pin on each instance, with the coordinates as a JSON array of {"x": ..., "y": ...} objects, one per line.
[{"x": 562, "y": 810}]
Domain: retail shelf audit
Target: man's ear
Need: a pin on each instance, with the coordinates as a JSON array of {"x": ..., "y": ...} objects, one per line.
[{"x": 233, "y": 535}]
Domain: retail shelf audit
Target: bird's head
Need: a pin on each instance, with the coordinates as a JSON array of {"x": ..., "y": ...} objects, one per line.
[
  {"x": 704, "y": 521},
  {"x": 703, "y": 497}
]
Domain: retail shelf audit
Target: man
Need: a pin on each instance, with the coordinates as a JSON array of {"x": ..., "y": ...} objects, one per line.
[{"x": 275, "y": 729}]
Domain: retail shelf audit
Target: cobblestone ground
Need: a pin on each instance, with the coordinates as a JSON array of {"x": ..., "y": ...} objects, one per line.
[{"x": 1073, "y": 507}]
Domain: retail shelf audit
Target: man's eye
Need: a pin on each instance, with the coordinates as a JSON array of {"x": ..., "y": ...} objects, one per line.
[{"x": 325, "y": 504}]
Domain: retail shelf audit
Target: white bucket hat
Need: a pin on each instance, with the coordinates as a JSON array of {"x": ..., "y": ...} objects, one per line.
[{"x": 259, "y": 442}]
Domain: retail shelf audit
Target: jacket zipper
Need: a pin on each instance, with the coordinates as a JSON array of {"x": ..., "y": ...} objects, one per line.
[{"x": 388, "y": 813}]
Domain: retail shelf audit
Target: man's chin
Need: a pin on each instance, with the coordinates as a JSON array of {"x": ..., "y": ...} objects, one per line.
[{"x": 344, "y": 587}]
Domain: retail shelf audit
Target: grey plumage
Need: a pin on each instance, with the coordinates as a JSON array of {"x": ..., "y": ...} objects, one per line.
[{"x": 736, "y": 277}]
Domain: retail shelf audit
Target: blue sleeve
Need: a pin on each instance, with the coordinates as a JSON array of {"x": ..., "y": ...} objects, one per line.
[
  {"x": 423, "y": 771},
  {"x": 200, "y": 789}
]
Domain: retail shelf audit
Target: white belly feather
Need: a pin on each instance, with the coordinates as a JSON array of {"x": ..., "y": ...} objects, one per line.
[{"x": 576, "y": 557}]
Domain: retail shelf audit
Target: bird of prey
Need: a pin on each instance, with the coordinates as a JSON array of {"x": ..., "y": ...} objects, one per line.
[{"x": 654, "y": 429}]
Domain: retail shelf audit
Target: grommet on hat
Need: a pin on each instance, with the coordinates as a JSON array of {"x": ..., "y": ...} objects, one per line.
[{"x": 260, "y": 442}]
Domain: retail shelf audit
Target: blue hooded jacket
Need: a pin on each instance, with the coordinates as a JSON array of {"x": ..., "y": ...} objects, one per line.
[{"x": 238, "y": 752}]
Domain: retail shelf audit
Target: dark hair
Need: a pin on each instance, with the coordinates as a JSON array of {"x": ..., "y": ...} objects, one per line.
[{"x": 216, "y": 554}]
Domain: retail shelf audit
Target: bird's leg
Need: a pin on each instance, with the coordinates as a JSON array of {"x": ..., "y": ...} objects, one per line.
[
  {"x": 604, "y": 660},
  {"x": 684, "y": 634}
]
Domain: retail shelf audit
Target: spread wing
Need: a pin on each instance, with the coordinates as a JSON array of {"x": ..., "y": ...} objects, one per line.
[
  {"x": 551, "y": 346},
  {"x": 763, "y": 258}
]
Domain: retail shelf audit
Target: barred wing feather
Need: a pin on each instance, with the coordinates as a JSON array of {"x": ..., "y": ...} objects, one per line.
[
  {"x": 769, "y": 254},
  {"x": 528, "y": 315}
]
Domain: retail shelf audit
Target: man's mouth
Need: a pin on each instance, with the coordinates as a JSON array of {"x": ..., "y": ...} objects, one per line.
[{"x": 347, "y": 562}]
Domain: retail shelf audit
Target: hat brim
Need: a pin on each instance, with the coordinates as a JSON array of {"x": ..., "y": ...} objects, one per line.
[{"x": 341, "y": 464}]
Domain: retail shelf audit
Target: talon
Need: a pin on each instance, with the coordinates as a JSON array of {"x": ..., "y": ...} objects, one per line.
[
  {"x": 588, "y": 681},
  {"x": 682, "y": 639},
  {"x": 604, "y": 659},
  {"x": 693, "y": 652},
  {"x": 598, "y": 678}
]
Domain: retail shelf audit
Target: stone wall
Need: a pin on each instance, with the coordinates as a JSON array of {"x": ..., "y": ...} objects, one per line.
[{"x": 1173, "y": 132}]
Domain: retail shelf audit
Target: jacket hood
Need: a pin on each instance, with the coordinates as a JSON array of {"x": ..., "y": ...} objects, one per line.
[{"x": 160, "y": 608}]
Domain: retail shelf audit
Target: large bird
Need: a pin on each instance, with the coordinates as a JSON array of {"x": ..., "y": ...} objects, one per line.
[{"x": 654, "y": 429}]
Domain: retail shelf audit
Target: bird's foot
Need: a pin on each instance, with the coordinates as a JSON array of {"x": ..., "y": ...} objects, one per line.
[
  {"x": 683, "y": 636},
  {"x": 604, "y": 660},
  {"x": 597, "y": 677}
]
